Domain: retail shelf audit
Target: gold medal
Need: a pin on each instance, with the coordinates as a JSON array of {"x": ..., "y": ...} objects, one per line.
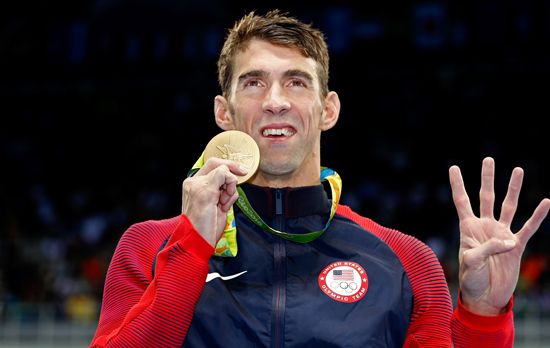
[{"x": 235, "y": 146}]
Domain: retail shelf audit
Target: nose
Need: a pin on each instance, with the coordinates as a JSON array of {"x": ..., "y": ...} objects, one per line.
[{"x": 275, "y": 101}]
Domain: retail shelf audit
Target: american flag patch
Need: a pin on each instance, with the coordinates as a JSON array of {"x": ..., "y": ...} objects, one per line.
[{"x": 343, "y": 274}]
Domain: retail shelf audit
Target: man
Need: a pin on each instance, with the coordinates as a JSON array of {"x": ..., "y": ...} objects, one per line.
[{"x": 308, "y": 272}]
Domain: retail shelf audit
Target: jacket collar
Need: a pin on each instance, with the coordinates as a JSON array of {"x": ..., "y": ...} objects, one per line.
[{"x": 294, "y": 201}]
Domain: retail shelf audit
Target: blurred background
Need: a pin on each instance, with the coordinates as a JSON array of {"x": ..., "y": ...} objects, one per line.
[{"x": 105, "y": 106}]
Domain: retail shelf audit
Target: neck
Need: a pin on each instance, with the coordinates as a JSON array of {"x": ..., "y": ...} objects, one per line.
[
  {"x": 278, "y": 181},
  {"x": 303, "y": 176}
]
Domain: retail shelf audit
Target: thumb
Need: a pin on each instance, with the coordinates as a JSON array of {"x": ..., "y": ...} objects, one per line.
[{"x": 490, "y": 247}]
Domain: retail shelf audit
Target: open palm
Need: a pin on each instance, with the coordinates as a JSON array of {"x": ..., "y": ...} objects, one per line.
[{"x": 490, "y": 253}]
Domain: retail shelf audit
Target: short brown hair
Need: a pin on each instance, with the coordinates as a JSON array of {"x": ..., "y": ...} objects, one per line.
[{"x": 277, "y": 28}]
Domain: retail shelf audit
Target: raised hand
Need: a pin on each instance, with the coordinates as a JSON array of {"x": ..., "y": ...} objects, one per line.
[
  {"x": 490, "y": 252},
  {"x": 208, "y": 195}
]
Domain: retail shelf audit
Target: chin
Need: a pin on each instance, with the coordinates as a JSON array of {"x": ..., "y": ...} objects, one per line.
[{"x": 278, "y": 168}]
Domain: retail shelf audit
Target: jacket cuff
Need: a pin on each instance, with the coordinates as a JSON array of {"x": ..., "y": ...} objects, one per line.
[
  {"x": 190, "y": 239},
  {"x": 483, "y": 322}
]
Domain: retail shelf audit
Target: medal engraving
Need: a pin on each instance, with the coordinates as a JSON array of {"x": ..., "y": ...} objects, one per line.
[{"x": 235, "y": 146}]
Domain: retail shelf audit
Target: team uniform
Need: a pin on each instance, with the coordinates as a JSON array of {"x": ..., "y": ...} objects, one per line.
[{"x": 357, "y": 285}]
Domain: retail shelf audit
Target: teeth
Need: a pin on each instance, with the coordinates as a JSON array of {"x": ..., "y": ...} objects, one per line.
[{"x": 278, "y": 131}]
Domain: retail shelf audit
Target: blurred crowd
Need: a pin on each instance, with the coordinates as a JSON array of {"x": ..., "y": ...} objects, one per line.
[{"x": 104, "y": 111}]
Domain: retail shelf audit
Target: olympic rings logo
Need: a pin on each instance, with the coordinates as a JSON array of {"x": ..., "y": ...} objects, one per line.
[{"x": 348, "y": 287}]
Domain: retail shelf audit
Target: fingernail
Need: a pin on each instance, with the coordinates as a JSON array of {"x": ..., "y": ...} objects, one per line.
[{"x": 243, "y": 168}]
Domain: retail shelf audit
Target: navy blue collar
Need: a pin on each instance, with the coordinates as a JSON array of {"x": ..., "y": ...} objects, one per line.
[{"x": 293, "y": 201}]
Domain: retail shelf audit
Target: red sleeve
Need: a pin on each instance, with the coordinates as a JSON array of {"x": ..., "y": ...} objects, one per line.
[
  {"x": 138, "y": 311},
  {"x": 472, "y": 330}
]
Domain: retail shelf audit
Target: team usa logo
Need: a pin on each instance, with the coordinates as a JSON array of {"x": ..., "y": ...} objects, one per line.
[{"x": 344, "y": 281}]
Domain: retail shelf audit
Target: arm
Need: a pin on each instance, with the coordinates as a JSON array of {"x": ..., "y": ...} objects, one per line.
[
  {"x": 140, "y": 311},
  {"x": 432, "y": 307},
  {"x": 489, "y": 257}
]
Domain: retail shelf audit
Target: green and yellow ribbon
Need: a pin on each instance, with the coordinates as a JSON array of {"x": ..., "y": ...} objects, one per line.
[{"x": 227, "y": 245}]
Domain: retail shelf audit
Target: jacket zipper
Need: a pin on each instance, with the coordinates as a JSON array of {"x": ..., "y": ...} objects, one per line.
[{"x": 279, "y": 288}]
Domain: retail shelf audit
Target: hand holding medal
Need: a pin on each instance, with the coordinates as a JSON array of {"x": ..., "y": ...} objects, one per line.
[{"x": 241, "y": 149}]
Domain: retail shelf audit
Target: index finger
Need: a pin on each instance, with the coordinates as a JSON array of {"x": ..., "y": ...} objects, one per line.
[
  {"x": 214, "y": 162},
  {"x": 460, "y": 197}
]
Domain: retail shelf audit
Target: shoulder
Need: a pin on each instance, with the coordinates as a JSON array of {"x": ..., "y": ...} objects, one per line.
[
  {"x": 410, "y": 250},
  {"x": 420, "y": 262},
  {"x": 154, "y": 225},
  {"x": 390, "y": 236},
  {"x": 146, "y": 234}
]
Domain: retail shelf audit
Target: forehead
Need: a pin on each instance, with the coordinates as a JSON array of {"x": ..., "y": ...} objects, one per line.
[{"x": 274, "y": 59}]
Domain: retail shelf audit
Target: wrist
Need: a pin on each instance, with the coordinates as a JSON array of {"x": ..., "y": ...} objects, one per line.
[{"x": 481, "y": 307}]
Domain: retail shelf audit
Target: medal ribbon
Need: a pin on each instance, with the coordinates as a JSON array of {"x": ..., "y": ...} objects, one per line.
[{"x": 227, "y": 245}]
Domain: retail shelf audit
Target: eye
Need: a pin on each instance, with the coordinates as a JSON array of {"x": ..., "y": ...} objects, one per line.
[
  {"x": 297, "y": 83},
  {"x": 252, "y": 83}
]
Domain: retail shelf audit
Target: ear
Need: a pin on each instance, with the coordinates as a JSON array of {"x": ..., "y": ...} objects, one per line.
[
  {"x": 222, "y": 113},
  {"x": 331, "y": 111}
]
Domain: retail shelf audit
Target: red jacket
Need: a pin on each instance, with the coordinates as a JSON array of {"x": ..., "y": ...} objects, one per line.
[{"x": 359, "y": 284}]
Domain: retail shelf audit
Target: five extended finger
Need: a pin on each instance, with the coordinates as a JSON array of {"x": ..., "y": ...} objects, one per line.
[
  {"x": 487, "y": 191},
  {"x": 532, "y": 225},
  {"x": 460, "y": 197},
  {"x": 510, "y": 203}
]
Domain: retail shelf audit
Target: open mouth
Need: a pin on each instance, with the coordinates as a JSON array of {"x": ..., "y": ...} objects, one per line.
[{"x": 278, "y": 132}]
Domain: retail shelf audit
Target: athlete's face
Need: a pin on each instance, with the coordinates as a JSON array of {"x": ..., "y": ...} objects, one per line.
[{"x": 275, "y": 97}]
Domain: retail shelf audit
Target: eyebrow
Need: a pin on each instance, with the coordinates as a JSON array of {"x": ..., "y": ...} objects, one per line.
[
  {"x": 299, "y": 73},
  {"x": 253, "y": 73},
  {"x": 289, "y": 73}
]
